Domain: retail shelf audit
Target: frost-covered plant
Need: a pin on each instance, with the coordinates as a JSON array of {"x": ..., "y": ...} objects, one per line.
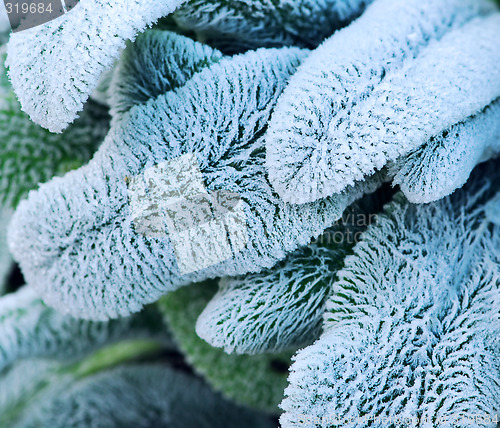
[
  {"x": 104, "y": 392},
  {"x": 251, "y": 24},
  {"x": 412, "y": 327},
  {"x": 282, "y": 307},
  {"x": 30, "y": 329},
  {"x": 95, "y": 262},
  {"x": 55, "y": 66},
  {"x": 405, "y": 74},
  {"x": 180, "y": 228},
  {"x": 59, "y": 371}
]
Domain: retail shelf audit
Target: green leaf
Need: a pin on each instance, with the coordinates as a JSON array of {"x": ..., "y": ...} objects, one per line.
[
  {"x": 282, "y": 308},
  {"x": 257, "y": 381},
  {"x": 237, "y": 25},
  {"x": 30, "y": 329},
  {"x": 412, "y": 327},
  {"x": 157, "y": 62}
]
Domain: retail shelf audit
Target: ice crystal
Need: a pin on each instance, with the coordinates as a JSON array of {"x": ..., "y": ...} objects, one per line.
[
  {"x": 412, "y": 326},
  {"x": 89, "y": 259},
  {"x": 54, "y": 67},
  {"x": 397, "y": 76}
]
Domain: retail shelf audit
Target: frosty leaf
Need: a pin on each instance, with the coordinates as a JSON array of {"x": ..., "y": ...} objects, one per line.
[
  {"x": 141, "y": 396},
  {"x": 251, "y": 24},
  {"x": 5, "y": 256},
  {"x": 413, "y": 325},
  {"x": 103, "y": 249},
  {"x": 30, "y": 154},
  {"x": 282, "y": 307},
  {"x": 438, "y": 167},
  {"x": 29, "y": 329},
  {"x": 156, "y": 63},
  {"x": 492, "y": 210},
  {"x": 400, "y": 74},
  {"x": 55, "y": 66},
  {"x": 257, "y": 381}
]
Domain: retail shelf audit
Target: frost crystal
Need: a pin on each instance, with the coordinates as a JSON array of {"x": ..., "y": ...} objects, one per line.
[
  {"x": 282, "y": 307},
  {"x": 397, "y": 76},
  {"x": 438, "y": 167},
  {"x": 28, "y": 328},
  {"x": 89, "y": 260},
  {"x": 413, "y": 325},
  {"x": 55, "y": 66},
  {"x": 238, "y": 25},
  {"x": 157, "y": 62},
  {"x": 257, "y": 381}
]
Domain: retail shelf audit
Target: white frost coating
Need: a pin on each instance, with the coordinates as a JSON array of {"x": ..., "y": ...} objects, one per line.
[
  {"x": 30, "y": 329},
  {"x": 140, "y": 396},
  {"x": 282, "y": 308},
  {"x": 247, "y": 24},
  {"x": 87, "y": 258},
  {"x": 157, "y": 62},
  {"x": 5, "y": 256},
  {"x": 378, "y": 88},
  {"x": 30, "y": 155},
  {"x": 413, "y": 325},
  {"x": 273, "y": 310},
  {"x": 54, "y": 67},
  {"x": 442, "y": 165},
  {"x": 493, "y": 210}
]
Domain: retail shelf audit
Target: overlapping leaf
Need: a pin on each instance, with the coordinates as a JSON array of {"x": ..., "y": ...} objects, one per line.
[
  {"x": 282, "y": 307},
  {"x": 402, "y": 73},
  {"x": 94, "y": 262},
  {"x": 237, "y": 25},
  {"x": 442, "y": 165},
  {"x": 140, "y": 396},
  {"x": 30, "y": 155},
  {"x": 413, "y": 325},
  {"x": 55, "y": 66},
  {"x": 157, "y": 62},
  {"x": 256, "y": 381},
  {"x": 30, "y": 329}
]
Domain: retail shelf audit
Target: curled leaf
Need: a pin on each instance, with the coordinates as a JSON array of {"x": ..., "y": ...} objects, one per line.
[
  {"x": 380, "y": 88},
  {"x": 412, "y": 326},
  {"x": 176, "y": 194},
  {"x": 54, "y": 67},
  {"x": 442, "y": 165}
]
